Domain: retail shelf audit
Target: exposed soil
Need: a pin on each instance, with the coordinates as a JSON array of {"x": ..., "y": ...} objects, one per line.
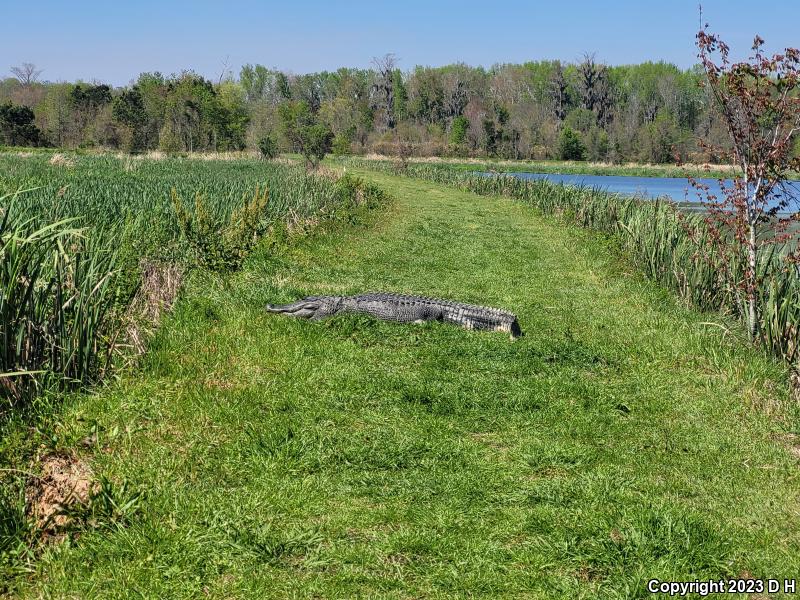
[{"x": 65, "y": 482}]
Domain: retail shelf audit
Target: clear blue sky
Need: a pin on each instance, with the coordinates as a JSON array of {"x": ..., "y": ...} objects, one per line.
[{"x": 114, "y": 40}]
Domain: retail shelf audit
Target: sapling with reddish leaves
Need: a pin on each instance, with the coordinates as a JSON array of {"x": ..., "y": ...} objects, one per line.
[{"x": 759, "y": 102}]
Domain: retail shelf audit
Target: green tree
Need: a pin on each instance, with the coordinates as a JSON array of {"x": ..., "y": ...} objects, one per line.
[
  {"x": 153, "y": 90},
  {"x": 257, "y": 82},
  {"x": 458, "y": 130},
  {"x": 187, "y": 109},
  {"x": 282, "y": 86},
  {"x": 658, "y": 139},
  {"x": 316, "y": 143},
  {"x": 87, "y": 103},
  {"x": 426, "y": 102},
  {"x": 231, "y": 117},
  {"x": 580, "y": 119},
  {"x": 17, "y": 126},
  {"x": 88, "y": 97},
  {"x": 304, "y": 133},
  {"x": 597, "y": 144},
  {"x": 342, "y": 142},
  {"x": 198, "y": 116},
  {"x": 293, "y": 117},
  {"x": 54, "y": 114},
  {"x": 570, "y": 146},
  {"x": 128, "y": 110},
  {"x": 400, "y": 96}
]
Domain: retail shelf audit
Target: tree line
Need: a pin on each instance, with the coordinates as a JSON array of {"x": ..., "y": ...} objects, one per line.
[{"x": 650, "y": 112}]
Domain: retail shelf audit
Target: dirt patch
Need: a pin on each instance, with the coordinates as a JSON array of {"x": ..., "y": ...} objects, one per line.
[
  {"x": 219, "y": 384},
  {"x": 493, "y": 440},
  {"x": 792, "y": 443},
  {"x": 616, "y": 536},
  {"x": 397, "y": 560},
  {"x": 794, "y": 380},
  {"x": 65, "y": 481}
]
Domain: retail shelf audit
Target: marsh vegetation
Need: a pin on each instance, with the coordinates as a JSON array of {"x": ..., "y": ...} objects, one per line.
[{"x": 266, "y": 457}]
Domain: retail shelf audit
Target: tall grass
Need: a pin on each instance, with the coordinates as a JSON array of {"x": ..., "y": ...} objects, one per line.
[
  {"x": 56, "y": 287},
  {"x": 671, "y": 247},
  {"x": 72, "y": 245}
]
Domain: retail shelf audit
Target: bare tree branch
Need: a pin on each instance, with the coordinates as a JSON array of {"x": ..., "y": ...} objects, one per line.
[{"x": 26, "y": 73}]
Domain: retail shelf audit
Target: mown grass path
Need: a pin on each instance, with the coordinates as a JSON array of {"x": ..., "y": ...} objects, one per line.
[{"x": 622, "y": 438}]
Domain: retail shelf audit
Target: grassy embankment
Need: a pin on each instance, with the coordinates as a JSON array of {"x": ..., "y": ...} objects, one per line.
[{"x": 623, "y": 438}]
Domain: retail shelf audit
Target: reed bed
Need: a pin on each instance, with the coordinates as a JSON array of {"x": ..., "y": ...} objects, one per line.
[
  {"x": 670, "y": 246},
  {"x": 75, "y": 232}
]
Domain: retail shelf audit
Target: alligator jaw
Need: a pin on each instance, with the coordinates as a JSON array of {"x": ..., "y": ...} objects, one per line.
[{"x": 301, "y": 308}]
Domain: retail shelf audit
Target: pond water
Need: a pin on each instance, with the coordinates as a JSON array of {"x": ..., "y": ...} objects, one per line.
[{"x": 674, "y": 188}]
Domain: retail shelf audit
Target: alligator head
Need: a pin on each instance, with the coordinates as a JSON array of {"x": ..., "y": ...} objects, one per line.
[{"x": 313, "y": 307}]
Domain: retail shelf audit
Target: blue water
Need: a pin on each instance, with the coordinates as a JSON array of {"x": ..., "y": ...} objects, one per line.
[{"x": 674, "y": 188}]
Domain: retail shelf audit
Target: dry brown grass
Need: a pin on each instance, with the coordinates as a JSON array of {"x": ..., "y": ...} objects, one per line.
[
  {"x": 224, "y": 155},
  {"x": 62, "y": 160},
  {"x": 587, "y": 164},
  {"x": 160, "y": 284},
  {"x": 332, "y": 173}
]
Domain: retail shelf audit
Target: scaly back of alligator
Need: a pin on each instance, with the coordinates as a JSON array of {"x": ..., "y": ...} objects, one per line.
[{"x": 404, "y": 309}]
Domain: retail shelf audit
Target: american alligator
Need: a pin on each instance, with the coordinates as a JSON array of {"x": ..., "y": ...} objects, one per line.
[{"x": 403, "y": 309}]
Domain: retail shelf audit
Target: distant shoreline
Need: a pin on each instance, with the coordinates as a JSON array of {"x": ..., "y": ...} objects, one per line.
[{"x": 578, "y": 167}]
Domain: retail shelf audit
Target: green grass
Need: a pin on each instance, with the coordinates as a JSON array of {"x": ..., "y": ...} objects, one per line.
[
  {"x": 674, "y": 248},
  {"x": 623, "y": 438}
]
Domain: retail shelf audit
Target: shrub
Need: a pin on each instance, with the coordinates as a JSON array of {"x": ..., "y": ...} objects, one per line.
[
  {"x": 341, "y": 144},
  {"x": 267, "y": 147},
  {"x": 316, "y": 142},
  {"x": 404, "y": 150},
  {"x": 302, "y": 130},
  {"x": 220, "y": 245}
]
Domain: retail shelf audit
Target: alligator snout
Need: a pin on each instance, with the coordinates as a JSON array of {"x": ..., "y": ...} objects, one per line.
[{"x": 302, "y": 308}]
